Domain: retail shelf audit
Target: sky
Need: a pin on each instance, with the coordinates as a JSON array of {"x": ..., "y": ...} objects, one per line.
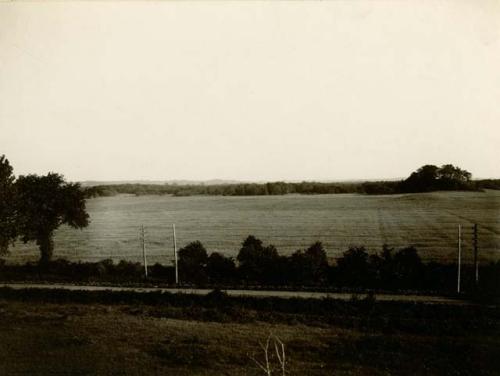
[{"x": 249, "y": 91}]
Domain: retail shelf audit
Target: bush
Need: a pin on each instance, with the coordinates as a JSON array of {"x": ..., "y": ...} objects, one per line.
[
  {"x": 220, "y": 269},
  {"x": 257, "y": 263},
  {"x": 353, "y": 268},
  {"x": 192, "y": 263}
]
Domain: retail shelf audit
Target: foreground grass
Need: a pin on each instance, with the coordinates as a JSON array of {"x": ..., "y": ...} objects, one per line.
[{"x": 38, "y": 337}]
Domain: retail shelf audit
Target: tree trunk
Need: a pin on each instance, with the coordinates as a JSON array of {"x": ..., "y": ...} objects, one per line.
[{"x": 46, "y": 244}]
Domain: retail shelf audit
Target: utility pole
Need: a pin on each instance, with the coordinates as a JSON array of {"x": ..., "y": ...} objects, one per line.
[
  {"x": 175, "y": 257},
  {"x": 459, "y": 257},
  {"x": 144, "y": 252},
  {"x": 476, "y": 261}
]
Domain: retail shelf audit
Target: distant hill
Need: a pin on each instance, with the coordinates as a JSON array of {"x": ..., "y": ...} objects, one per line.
[{"x": 93, "y": 183}]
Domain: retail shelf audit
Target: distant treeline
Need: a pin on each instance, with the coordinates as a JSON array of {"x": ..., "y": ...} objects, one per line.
[
  {"x": 259, "y": 265},
  {"x": 426, "y": 179},
  {"x": 243, "y": 189}
]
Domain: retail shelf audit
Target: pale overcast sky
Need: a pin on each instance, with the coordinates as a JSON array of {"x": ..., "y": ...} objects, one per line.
[{"x": 249, "y": 90}]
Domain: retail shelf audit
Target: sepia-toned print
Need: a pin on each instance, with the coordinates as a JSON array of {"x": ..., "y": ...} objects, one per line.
[{"x": 249, "y": 187}]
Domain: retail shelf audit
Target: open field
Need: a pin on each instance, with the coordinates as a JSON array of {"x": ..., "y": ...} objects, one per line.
[
  {"x": 427, "y": 220},
  {"x": 85, "y": 335}
]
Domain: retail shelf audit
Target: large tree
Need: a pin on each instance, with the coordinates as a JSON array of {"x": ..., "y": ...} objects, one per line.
[
  {"x": 8, "y": 223},
  {"x": 44, "y": 203}
]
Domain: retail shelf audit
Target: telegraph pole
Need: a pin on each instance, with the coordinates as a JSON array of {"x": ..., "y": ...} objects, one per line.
[
  {"x": 476, "y": 261},
  {"x": 175, "y": 257},
  {"x": 459, "y": 257},
  {"x": 144, "y": 252}
]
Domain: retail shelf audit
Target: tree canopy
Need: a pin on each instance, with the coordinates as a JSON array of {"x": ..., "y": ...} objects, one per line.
[{"x": 433, "y": 178}]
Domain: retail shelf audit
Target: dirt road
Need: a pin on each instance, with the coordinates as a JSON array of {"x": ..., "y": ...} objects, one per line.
[{"x": 429, "y": 299}]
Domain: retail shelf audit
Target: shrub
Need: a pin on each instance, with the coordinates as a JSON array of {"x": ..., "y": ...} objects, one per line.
[
  {"x": 220, "y": 269},
  {"x": 353, "y": 267},
  {"x": 192, "y": 263}
]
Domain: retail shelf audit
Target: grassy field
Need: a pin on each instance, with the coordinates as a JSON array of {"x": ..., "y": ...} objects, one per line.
[
  {"x": 427, "y": 220},
  {"x": 38, "y": 337}
]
